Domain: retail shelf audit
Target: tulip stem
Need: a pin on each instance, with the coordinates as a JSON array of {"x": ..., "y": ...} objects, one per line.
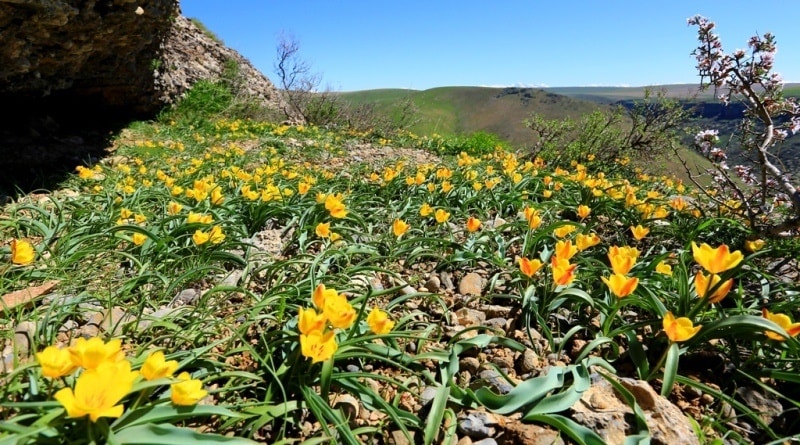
[{"x": 654, "y": 370}]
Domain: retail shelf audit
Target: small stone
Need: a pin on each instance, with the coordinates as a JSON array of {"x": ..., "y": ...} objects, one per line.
[
  {"x": 433, "y": 284},
  {"x": 496, "y": 311},
  {"x": 477, "y": 424},
  {"x": 471, "y": 284},
  {"x": 499, "y": 324},
  {"x": 464, "y": 441},
  {"x": 427, "y": 395},
  {"x": 399, "y": 438},
  {"x": 348, "y": 404},
  {"x": 492, "y": 379},
  {"x": 528, "y": 362},
  {"x": 23, "y": 334},
  {"x": 185, "y": 297},
  {"x": 469, "y": 317},
  {"x": 470, "y": 364},
  {"x": 767, "y": 406},
  {"x": 232, "y": 279},
  {"x": 487, "y": 441},
  {"x": 446, "y": 279}
]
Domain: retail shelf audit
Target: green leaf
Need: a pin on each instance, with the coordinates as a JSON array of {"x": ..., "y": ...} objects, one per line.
[
  {"x": 151, "y": 434},
  {"x": 565, "y": 399},
  {"x": 438, "y": 408},
  {"x": 670, "y": 369},
  {"x": 525, "y": 394},
  {"x": 579, "y": 433},
  {"x": 167, "y": 413}
]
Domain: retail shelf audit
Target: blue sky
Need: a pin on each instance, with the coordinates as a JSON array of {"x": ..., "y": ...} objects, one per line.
[{"x": 419, "y": 44}]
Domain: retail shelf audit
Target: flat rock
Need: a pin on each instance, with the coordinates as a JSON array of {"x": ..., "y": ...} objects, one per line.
[
  {"x": 471, "y": 284},
  {"x": 605, "y": 412}
]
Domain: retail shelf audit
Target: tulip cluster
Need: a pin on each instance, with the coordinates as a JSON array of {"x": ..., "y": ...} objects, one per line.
[
  {"x": 106, "y": 377},
  {"x": 318, "y": 326}
]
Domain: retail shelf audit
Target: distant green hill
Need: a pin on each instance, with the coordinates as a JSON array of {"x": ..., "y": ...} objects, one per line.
[{"x": 464, "y": 110}]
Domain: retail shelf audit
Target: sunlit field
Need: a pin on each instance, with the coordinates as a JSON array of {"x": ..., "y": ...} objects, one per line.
[{"x": 217, "y": 280}]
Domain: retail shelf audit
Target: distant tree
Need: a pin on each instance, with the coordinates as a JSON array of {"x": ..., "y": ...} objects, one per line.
[
  {"x": 647, "y": 128},
  {"x": 761, "y": 190}
]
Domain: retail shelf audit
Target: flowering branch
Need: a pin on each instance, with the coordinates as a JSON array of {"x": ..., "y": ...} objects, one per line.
[{"x": 749, "y": 80}]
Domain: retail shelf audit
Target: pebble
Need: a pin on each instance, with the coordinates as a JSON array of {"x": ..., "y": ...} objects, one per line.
[
  {"x": 477, "y": 424},
  {"x": 433, "y": 284},
  {"x": 528, "y": 362},
  {"x": 470, "y": 364},
  {"x": 185, "y": 297},
  {"x": 446, "y": 280},
  {"x": 471, "y": 284},
  {"x": 493, "y": 379}
]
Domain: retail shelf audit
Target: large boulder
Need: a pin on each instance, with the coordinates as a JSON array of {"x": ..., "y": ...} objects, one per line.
[{"x": 128, "y": 56}]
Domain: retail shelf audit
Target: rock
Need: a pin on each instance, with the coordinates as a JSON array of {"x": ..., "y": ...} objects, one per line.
[
  {"x": 399, "y": 438},
  {"x": 348, "y": 404},
  {"x": 470, "y": 364},
  {"x": 498, "y": 324},
  {"x": 471, "y": 284},
  {"x": 185, "y": 297},
  {"x": 433, "y": 284},
  {"x": 446, "y": 279},
  {"x": 427, "y": 395},
  {"x": 495, "y": 311},
  {"x": 487, "y": 441},
  {"x": 528, "y": 362},
  {"x": 515, "y": 432},
  {"x": 232, "y": 279},
  {"x": 106, "y": 55},
  {"x": 492, "y": 379},
  {"x": 464, "y": 441},
  {"x": 603, "y": 411},
  {"x": 477, "y": 424},
  {"x": 469, "y": 317},
  {"x": 23, "y": 336},
  {"x": 766, "y": 405}
]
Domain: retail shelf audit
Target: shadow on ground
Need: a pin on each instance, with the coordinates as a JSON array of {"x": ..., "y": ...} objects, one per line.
[{"x": 43, "y": 140}]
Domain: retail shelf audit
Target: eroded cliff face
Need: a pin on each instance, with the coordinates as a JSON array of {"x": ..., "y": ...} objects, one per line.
[{"x": 129, "y": 55}]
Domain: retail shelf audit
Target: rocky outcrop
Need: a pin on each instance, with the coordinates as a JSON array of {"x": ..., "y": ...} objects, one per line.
[{"x": 125, "y": 55}]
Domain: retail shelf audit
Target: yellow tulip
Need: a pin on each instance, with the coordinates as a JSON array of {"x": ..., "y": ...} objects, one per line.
[
  {"x": 22, "y": 252},
  {"x": 716, "y": 260},
  {"x": 98, "y": 391},
  {"x": 563, "y": 231},
  {"x": 399, "y": 227},
  {"x": 379, "y": 321},
  {"x": 321, "y": 294},
  {"x": 783, "y": 321},
  {"x": 55, "y": 362},
  {"x": 441, "y": 215},
  {"x": 473, "y": 224},
  {"x": 334, "y": 205},
  {"x": 529, "y": 267},
  {"x": 621, "y": 285},
  {"x": 563, "y": 271},
  {"x": 754, "y": 245},
  {"x": 138, "y": 238},
  {"x": 664, "y": 268},
  {"x": 584, "y": 242},
  {"x": 187, "y": 391},
  {"x": 157, "y": 367},
  {"x": 680, "y": 329},
  {"x": 425, "y": 210},
  {"x": 173, "y": 208},
  {"x": 89, "y": 354},
  {"x": 215, "y": 235},
  {"x": 308, "y": 321},
  {"x": 704, "y": 283},
  {"x": 565, "y": 249},
  {"x": 200, "y": 237},
  {"x": 318, "y": 346},
  {"x": 639, "y": 232},
  {"x": 323, "y": 230},
  {"x": 583, "y": 211},
  {"x": 338, "y": 311}
]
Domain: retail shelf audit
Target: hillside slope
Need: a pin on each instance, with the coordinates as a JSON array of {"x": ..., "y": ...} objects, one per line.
[{"x": 463, "y": 110}]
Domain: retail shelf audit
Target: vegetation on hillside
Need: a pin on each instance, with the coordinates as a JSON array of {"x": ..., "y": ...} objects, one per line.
[{"x": 224, "y": 279}]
